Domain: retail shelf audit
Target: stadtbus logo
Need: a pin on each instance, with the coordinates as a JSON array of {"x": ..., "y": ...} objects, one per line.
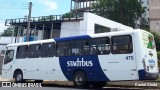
[{"x": 79, "y": 63}]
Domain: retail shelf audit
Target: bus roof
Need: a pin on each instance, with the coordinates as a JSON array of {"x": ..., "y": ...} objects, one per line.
[
  {"x": 81, "y": 37},
  {"x": 32, "y": 42}
]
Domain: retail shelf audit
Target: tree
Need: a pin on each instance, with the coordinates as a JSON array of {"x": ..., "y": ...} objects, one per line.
[
  {"x": 157, "y": 40},
  {"x": 69, "y": 15},
  {"x": 7, "y": 32},
  {"x": 122, "y": 11}
]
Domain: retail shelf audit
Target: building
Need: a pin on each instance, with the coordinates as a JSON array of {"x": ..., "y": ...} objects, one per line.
[
  {"x": 145, "y": 17},
  {"x": 90, "y": 24},
  {"x": 55, "y": 26},
  {"x": 7, "y": 40},
  {"x": 143, "y": 21},
  {"x": 154, "y": 13},
  {"x": 63, "y": 27}
]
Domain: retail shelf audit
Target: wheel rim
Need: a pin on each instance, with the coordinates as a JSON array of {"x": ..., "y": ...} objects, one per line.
[
  {"x": 79, "y": 79},
  {"x": 19, "y": 77}
]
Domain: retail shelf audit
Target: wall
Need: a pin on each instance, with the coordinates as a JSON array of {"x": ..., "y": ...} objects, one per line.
[
  {"x": 7, "y": 40},
  {"x": 70, "y": 29},
  {"x": 92, "y": 19},
  {"x": 87, "y": 25},
  {"x": 154, "y": 13}
]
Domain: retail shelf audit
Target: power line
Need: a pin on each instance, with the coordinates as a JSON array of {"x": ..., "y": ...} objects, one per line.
[
  {"x": 12, "y": 9},
  {"x": 13, "y": 5}
]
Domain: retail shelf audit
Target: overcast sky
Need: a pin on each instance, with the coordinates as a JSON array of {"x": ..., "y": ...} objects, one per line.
[{"x": 12, "y": 9}]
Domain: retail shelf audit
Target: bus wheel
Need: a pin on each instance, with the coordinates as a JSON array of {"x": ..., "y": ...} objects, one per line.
[
  {"x": 98, "y": 84},
  {"x": 80, "y": 79},
  {"x": 19, "y": 77}
]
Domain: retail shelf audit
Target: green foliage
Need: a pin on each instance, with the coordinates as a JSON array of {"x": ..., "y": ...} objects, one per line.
[
  {"x": 68, "y": 14},
  {"x": 7, "y": 32},
  {"x": 122, "y": 11},
  {"x": 158, "y": 55},
  {"x": 157, "y": 40}
]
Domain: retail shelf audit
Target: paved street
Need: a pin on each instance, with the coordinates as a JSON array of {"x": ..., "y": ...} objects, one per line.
[
  {"x": 58, "y": 87},
  {"x": 110, "y": 86}
]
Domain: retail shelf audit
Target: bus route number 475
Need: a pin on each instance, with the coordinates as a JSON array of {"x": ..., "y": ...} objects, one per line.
[{"x": 129, "y": 58}]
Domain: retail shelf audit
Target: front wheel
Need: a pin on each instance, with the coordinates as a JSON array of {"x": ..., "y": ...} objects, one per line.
[
  {"x": 80, "y": 79},
  {"x": 18, "y": 77}
]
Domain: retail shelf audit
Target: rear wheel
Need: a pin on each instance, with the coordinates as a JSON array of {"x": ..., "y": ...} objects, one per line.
[
  {"x": 18, "y": 77},
  {"x": 80, "y": 79}
]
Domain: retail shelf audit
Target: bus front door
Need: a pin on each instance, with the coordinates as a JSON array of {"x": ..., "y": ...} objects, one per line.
[{"x": 7, "y": 68}]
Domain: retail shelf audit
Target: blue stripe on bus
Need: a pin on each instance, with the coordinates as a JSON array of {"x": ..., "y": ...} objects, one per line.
[
  {"x": 86, "y": 63},
  {"x": 82, "y": 37},
  {"x": 142, "y": 74}
]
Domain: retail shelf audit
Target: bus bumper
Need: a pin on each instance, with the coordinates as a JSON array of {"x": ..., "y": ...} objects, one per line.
[
  {"x": 143, "y": 75},
  {"x": 152, "y": 76}
]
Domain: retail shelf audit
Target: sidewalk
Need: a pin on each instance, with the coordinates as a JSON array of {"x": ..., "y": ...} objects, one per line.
[{"x": 3, "y": 79}]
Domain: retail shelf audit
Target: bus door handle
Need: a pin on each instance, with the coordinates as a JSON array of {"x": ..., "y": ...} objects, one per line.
[
  {"x": 24, "y": 69},
  {"x": 37, "y": 69},
  {"x": 53, "y": 69}
]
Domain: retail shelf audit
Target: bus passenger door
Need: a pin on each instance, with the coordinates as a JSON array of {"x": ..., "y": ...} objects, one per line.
[
  {"x": 123, "y": 53},
  {"x": 7, "y": 68},
  {"x": 121, "y": 63}
]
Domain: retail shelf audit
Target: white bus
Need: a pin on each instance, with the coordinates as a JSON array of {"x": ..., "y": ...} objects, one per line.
[{"x": 85, "y": 60}]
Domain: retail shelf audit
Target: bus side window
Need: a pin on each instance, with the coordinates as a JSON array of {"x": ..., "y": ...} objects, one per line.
[
  {"x": 85, "y": 47},
  {"x": 21, "y": 51},
  {"x": 94, "y": 50},
  {"x": 9, "y": 56},
  {"x": 122, "y": 44},
  {"x": 76, "y": 48},
  {"x": 64, "y": 48},
  {"x": 105, "y": 45},
  {"x": 33, "y": 51},
  {"x": 47, "y": 50}
]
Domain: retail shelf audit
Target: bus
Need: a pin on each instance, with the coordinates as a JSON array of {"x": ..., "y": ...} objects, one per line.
[{"x": 86, "y": 59}]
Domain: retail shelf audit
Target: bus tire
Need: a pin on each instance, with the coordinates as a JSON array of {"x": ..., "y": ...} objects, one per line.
[
  {"x": 99, "y": 84},
  {"x": 18, "y": 77},
  {"x": 80, "y": 79}
]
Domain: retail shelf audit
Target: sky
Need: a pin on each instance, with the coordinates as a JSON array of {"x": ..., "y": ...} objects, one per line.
[{"x": 12, "y": 9}]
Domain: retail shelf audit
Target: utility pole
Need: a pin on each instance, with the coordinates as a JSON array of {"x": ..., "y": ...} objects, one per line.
[{"x": 29, "y": 17}]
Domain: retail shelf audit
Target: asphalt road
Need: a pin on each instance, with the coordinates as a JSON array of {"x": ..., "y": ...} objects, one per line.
[{"x": 61, "y": 87}]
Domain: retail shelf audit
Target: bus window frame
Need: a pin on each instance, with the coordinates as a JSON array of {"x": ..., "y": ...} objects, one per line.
[
  {"x": 47, "y": 50},
  {"x": 8, "y": 61},
  {"x": 100, "y": 45},
  {"x": 22, "y": 52},
  {"x": 35, "y": 51},
  {"x": 130, "y": 50}
]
